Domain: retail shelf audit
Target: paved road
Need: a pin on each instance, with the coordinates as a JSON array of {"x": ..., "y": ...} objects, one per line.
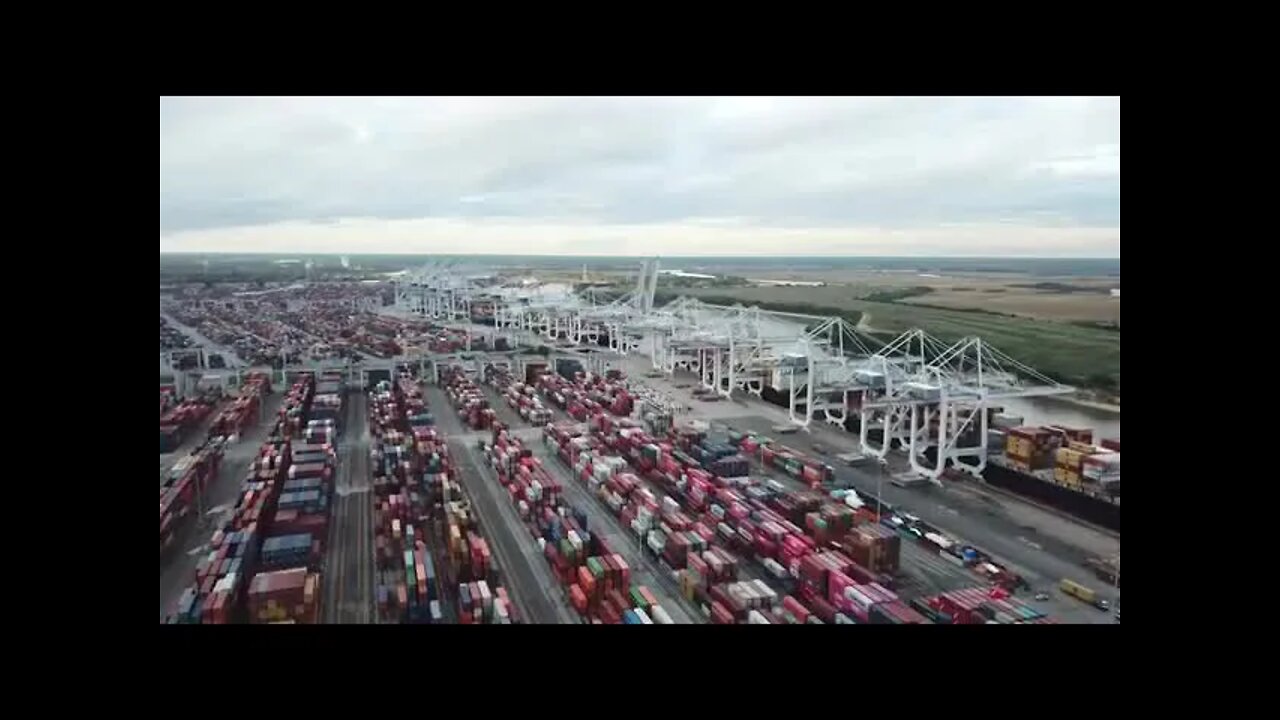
[
  {"x": 508, "y": 416},
  {"x": 178, "y": 567},
  {"x": 530, "y": 582},
  {"x": 349, "y": 565}
]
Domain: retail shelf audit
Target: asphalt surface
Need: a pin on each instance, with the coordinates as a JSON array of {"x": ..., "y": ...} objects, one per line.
[
  {"x": 529, "y": 580},
  {"x": 505, "y": 413},
  {"x": 349, "y": 563},
  {"x": 178, "y": 566}
]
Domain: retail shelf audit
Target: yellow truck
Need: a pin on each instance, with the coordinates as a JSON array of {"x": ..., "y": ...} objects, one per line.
[{"x": 1083, "y": 594}]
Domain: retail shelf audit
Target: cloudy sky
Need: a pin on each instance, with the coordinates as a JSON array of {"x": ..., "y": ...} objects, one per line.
[{"x": 631, "y": 176}]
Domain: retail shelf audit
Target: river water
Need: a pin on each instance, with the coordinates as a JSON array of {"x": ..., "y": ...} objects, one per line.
[{"x": 1053, "y": 411}]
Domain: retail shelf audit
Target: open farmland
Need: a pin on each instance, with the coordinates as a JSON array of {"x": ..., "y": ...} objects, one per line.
[
  {"x": 1076, "y": 354},
  {"x": 1059, "y": 306}
]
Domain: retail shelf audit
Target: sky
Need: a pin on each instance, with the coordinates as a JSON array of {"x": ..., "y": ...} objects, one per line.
[{"x": 897, "y": 176}]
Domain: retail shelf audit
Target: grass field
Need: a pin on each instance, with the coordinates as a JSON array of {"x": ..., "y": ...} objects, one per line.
[
  {"x": 1074, "y": 354},
  {"x": 1066, "y": 307}
]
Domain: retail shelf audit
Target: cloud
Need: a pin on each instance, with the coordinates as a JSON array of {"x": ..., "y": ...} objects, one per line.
[{"x": 860, "y": 175}]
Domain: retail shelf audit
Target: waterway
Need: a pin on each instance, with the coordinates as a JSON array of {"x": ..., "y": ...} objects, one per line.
[{"x": 1054, "y": 411}]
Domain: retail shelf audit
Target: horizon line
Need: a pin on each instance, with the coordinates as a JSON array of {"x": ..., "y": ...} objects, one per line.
[{"x": 681, "y": 257}]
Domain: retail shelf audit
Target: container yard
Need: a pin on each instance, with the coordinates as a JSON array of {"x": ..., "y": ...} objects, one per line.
[{"x": 399, "y": 469}]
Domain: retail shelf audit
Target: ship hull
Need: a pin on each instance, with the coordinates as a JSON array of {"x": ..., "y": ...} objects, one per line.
[{"x": 1091, "y": 509}]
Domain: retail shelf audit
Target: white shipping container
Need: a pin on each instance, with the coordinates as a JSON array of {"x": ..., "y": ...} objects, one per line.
[
  {"x": 766, "y": 592},
  {"x": 774, "y": 568},
  {"x": 1006, "y": 421},
  {"x": 755, "y": 618},
  {"x": 660, "y": 616},
  {"x": 858, "y": 597},
  {"x": 644, "y": 616}
]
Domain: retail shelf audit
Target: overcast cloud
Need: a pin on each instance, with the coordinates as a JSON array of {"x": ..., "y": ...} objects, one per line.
[{"x": 669, "y": 176}]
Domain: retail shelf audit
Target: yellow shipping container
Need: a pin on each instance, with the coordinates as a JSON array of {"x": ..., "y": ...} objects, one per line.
[
  {"x": 1068, "y": 458},
  {"x": 1082, "y": 447}
]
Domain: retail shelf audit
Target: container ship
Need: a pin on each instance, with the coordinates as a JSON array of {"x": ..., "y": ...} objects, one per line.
[
  {"x": 1055, "y": 465},
  {"x": 1058, "y": 466}
]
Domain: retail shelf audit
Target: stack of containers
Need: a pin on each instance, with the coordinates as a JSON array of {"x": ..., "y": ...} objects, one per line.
[
  {"x": 188, "y": 477},
  {"x": 829, "y": 524},
  {"x": 477, "y": 606},
  {"x": 896, "y": 613},
  {"x": 243, "y": 411},
  {"x": 290, "y": 551},
  {"x": 1031, "y": 448},
  {"x": 854, "y": 600},
  {"x": 529, "y": 484},
  {"x": 1069, "y": 461},
  {"x": 411, "y": 470},
  {"x": 186, "y": 415},
  {"x": 321, "y": 432},
  {"x": 596, "y": 579},
  {"x": 296, "y": 407},
  {"x": 222, "y": 575},
  {"x": 290, "y": 596},
  {"x": 974, "y": 606},
  {"x": 468, "y": 399},
  {"x": 874, "y": 547},
  {"x": 1103, "y": 469}
]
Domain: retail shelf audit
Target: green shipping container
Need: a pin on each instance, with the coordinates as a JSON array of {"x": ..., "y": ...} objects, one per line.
[{"x": 637, "y": 599}]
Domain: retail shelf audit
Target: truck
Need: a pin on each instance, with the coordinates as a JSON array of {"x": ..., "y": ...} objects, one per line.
[
  {"x": 1106, "y": 570},
  {"x": 1083, "y": 594}
]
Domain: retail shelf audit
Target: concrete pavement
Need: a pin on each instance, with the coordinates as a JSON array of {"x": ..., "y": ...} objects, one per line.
[{"x": 348, "y": 579}]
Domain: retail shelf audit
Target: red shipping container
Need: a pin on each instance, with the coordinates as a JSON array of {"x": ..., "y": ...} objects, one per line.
[
  {"x": 721, "y": 615},
  {"x": 799, "y": 614},
  {"x": 823, "y": 609},
  {"x": 587, "y": 583}
]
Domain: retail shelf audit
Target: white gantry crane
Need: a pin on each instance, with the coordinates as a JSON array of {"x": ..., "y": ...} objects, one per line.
[
  {"x": 916, "y": 393},
  {"x": 940, "y": 398}
]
